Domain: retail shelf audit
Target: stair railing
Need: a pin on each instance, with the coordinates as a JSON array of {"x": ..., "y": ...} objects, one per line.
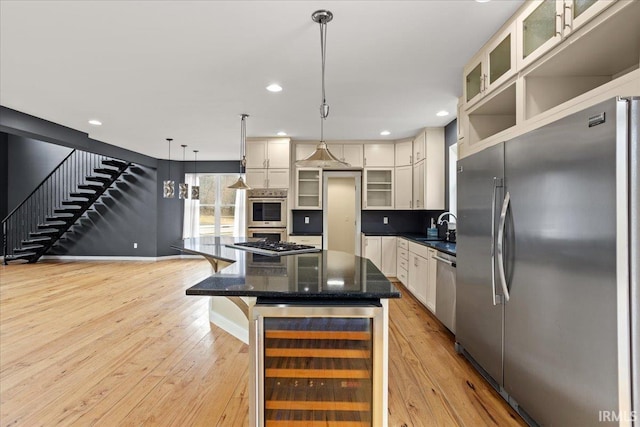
[{"x": 48, "y": 196}]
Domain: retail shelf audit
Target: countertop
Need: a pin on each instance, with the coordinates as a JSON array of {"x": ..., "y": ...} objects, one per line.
[
  {"x": 318, "y": 275},
  {"x": 423, "y": 239}
]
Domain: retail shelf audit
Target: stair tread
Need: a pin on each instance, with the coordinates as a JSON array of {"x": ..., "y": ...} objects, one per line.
[
  {"x": 107, "y": 171},
  {"x": 23, "y": 255},
  {"x": 90, "y": 187},
  {"x": 98, "y": 179},
  {"x": 36, "y": 239},
  {"x": 85, "y": 195},
  {"x": 70, "y": 211},
  {"x": 27, "y": 249},
  {"x": 117, "y": 163}
]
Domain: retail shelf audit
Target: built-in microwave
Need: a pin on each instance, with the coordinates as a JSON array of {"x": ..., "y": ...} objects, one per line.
[
  {"x": 267, "y": 208},
  {"x": 271, "y": 234}
]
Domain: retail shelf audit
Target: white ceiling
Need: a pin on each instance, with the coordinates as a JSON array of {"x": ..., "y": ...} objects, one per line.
[{"x": 186, "y": 69}]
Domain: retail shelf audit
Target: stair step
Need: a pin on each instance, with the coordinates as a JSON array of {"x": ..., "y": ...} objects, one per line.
[
  {"x": 107, "y": 171},
  {"x": 53, "y": 226},
  {"x": 36, "y": 240},
  {"x": 83, "y": 195},
  {"x": 95, "y": 188},
  {"x": 79, "y": 203},
  {"x": 59, "y": 218},
  {"x": 102, "y": 179},
  {"x": 44, "y": 233},
  {"x": 27, "y": 249},
  {"x": 26, "y": 255},
  {"x": 116, "y": 163},
  {"x": 66, "y": 211}
]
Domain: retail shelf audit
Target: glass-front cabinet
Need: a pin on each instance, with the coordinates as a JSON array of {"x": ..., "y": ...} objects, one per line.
[
  {"x": 378, "y": 188},
  {"x": 309, "y": 188},
  {"x": 544, "y": 23},
  {"x": 491, "y": 66}
]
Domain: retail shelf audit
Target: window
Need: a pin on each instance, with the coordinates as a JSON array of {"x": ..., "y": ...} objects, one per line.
[{"x": 217, "y": 204}]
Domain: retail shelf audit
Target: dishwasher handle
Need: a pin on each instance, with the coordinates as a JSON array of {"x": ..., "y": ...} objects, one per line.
[{"x": 446, "y": 261}]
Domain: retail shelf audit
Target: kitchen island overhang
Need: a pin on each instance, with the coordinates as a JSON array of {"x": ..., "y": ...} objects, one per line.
[{"x": 317, "y": 326}]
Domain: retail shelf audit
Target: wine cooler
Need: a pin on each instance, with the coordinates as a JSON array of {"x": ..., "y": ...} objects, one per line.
[{"x": 318, "y": 365}]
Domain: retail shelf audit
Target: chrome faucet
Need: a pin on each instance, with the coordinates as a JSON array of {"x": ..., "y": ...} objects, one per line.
[{"x": 440, "y": 220}]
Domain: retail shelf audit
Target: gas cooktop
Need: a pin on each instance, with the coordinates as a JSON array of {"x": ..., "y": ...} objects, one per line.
[{"x": 273, "y": 248}]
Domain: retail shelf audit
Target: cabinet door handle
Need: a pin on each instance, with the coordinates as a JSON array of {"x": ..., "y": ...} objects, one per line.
[
  {"x": 365, "y": 161},
  {"x": 558, "y": 28},
  {"x": 410, "y": 159},
  {"x": 410, "y": 203}
]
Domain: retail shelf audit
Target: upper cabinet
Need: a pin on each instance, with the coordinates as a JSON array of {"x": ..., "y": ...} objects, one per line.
[
  {"x": 492, "y": 66},
  {"x": 379, "y": 155},
  {"x": 268, "y": 153},
  {"x": 544, "y": 23},
  {"x": 378, "y": 188},
  {"x": 268, "y": 163},
  {"x": 404, "y": 153},
  {"x": 304, "y": 150},
  {"x": 308, "y": 188},
  {"x": 349, "y": 153},
  {"x": 419, "y": 147}
]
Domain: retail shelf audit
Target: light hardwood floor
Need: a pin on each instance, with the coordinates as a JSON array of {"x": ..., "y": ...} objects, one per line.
[{"x": 119, "y": 344}]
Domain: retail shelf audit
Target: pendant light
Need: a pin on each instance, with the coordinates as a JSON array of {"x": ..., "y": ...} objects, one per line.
[
  {"x": 168, "y": 185},
  {"x": 240, "y": 184},
  {"x": 322, "y": 157},
  {"x": 195, "y": 189},
  {"x": 183, "y": 187}
]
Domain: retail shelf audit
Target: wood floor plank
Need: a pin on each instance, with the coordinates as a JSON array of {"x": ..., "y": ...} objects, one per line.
[{"x": 119, "y": 343}]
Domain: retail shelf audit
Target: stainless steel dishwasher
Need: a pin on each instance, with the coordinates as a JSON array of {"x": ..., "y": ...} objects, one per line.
[{"x": 446, "y": 290}]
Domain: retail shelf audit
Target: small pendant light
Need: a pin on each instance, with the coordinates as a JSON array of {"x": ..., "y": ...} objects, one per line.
[
  {"x": 169, "y": 185},
  {"x": 183, "y": 187},
  {"x": 195, "y": 189},
  {"x": 322, "y": 157},
  {"x": 240, "y": 184}
]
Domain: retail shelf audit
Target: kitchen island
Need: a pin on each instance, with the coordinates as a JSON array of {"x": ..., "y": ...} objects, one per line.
[{"x": 318, "y": 331}]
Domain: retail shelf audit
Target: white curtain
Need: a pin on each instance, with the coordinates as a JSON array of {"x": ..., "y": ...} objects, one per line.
[
  {"x": 191, "y": 226},
  {"x": 240, "y": 214}
]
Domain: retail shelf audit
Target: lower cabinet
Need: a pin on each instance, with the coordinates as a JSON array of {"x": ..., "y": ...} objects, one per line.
[
  {"x": 381, "y": 250},
  {"x": 307, "y": 240},
  {"x": 402, "y": 261},
  {"x": 421, "y": 274}
]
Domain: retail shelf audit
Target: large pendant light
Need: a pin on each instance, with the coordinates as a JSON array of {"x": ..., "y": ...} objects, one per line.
[
  {"x": 169, "y": 185},
  {"x": 240, "y": 184},
  {"x": 322, "y": 157},
  {"x": 183, "y": 187},
  {"x": 195, "y": 189}
]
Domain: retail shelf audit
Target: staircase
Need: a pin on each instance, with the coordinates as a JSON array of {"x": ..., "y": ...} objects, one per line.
[{"x": 71, "y": 189}]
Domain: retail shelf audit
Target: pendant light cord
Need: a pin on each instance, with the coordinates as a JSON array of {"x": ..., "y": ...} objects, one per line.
[{"x": 324, "y": 108}]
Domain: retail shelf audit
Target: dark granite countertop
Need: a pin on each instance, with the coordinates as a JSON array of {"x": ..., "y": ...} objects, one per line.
[
  {"x": 318, "y": 275},
  {"x": 423, "y": 239}
]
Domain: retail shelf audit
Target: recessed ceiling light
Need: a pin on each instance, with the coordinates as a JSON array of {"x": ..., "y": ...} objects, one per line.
[
  {"x": 385, "y": 133},
  {"x": 442, "y": 113},
  {"x": 281, "y": 133},
  {"x": 95, "y": 122},
  {"x": 274, "y": 87},
  {"x": 483, "y": 1}
]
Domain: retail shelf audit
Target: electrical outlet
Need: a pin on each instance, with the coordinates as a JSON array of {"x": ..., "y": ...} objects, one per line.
[
  {"x": 306, "y": 220},
  {"x": 135, "y": 246},
  {"x": 385, "y": 220}
]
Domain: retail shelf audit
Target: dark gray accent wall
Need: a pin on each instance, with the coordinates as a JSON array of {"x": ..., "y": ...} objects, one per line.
[
  {"x": 170, "y": 211},
  {"x": 4, "y": 174},
  {"x": 29, "y": 163},
  {"x": 450, "y": 138},
  {"x": 126, "y": 214},
  {"x": 315, "y": 221}
]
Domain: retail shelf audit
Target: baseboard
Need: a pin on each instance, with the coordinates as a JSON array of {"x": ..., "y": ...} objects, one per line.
[{"x": 117, "y": 258}]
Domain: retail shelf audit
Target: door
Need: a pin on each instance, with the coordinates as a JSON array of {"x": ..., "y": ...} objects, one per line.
[
  {"x": 478, "y": 314},
  {"x": 278, "y": 154},
  {"x": 539, "y": 29},
  {"x": 403, "y": 195},
  {"x": 256, "y": 178},
  {"x": 256, "y": 154},
  {"x": 277, "y": 178},
  {"x": 418, "y": 190},
  {"x": 341, "y": 211},
  {"x": 561, "y": 334}
]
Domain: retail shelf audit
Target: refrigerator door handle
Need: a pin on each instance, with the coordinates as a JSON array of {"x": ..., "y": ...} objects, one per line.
[
  {"x": 497, "y": 182},
  {"x": 503, "y": 220}
]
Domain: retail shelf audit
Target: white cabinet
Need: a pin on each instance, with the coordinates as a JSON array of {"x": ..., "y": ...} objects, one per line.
[
  {"x": 492, "y": 66},
  {"x": 420, "y": 282},
  {"x": 419, "y": 147},
  {"x": 378, "y": 188},
  {"x": 431, "y": 280},
  {"x": 308, "y": 188},
  {"x": 388, "y": 255},
  {"x": 267, "y": 178},
  {"x": 381, "y": 250},
  {"x": 315, "y": 241},
  {"x": 428, "y": 174},
  {"x": 545, "y": 23},
  {"x": 379, "y": 155},
  {"x": 372, "y": 249},
  {"x": 304, "y": 150},
  {"x": 268, "y": 163},
  {"x": 403, "y": 193},
  {"x": 419, "y": 196},
  {"x": 402, "y": 261},
  {"x": 350, "y": 153},
  {"x": 404, "y": 153}
]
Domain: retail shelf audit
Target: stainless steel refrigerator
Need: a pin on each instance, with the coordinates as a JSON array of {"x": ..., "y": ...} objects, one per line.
[{"x": 547, "y": 279}]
